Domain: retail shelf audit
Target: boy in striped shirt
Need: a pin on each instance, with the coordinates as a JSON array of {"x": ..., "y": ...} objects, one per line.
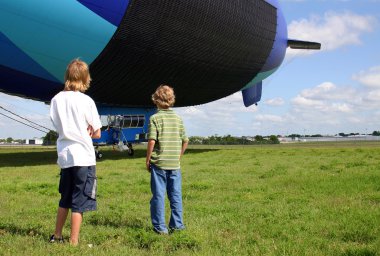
[{"x": 167, "y": 142}]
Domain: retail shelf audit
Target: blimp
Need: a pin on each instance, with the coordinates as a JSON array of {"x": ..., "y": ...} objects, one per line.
[{"x": 205, "y": 50}]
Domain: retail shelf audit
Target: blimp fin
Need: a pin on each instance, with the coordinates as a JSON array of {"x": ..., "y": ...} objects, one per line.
[
  {"x": 306, "y": 45},
  {"x": 252, "y": 95}
]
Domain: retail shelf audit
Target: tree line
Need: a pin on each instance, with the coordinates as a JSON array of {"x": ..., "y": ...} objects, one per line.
[
  {"x": 231, "y": 140},
  {"x": 51, "y": 137}
]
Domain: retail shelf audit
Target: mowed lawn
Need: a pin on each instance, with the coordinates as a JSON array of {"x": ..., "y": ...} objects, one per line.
[{"x": 288, "y": 199}]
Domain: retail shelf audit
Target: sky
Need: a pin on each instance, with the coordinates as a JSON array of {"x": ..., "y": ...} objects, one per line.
[{"x": 336, "y": 89}]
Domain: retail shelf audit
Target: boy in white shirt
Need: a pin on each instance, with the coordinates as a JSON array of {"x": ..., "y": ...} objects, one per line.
[{"x": 76, "y": 119}]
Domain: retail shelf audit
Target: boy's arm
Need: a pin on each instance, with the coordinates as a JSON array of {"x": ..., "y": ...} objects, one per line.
[
  {"x": 149, "y": 151},
  {"x": 93, "y": 134},
  {"x": 184, "y": 147},
  {"x": 96, "y": 134},
  {"x": 185, "y": 139},
  {"x": 93, "y": 120}
]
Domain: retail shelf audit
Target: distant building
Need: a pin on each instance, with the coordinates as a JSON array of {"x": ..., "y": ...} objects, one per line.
[{"x": 34, "y": 141}]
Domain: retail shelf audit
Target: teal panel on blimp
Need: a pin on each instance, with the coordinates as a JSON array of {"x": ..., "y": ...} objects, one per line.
[
  {"x": 61, "y": 31},
  {"x": 260, "y": 77},
  {"x": 16, "y": 59}
]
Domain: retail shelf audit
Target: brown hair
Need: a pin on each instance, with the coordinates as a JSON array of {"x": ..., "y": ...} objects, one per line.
[
  {"x": 164, "y": 96},
  {"x": 77, "y": 76}
]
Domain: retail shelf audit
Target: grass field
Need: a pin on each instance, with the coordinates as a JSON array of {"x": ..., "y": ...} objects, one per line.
[{"x": 294, "y": 199}]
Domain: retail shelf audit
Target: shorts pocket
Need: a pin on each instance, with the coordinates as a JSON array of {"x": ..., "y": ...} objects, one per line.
[{"x": 91, "y": 185}]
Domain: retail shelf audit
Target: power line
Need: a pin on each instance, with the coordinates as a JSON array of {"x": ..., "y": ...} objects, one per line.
[
  {"x": 23, "y": 123},
  {"x": 23, "y": 118}
]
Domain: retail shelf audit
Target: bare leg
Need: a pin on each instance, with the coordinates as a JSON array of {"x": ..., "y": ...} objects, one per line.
[
  {"x": 61, "y": 219},
  {"x": 76, "y": 221}
]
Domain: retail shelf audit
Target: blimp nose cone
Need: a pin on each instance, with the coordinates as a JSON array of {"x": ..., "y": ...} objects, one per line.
[{"x": 206, "y": 50}]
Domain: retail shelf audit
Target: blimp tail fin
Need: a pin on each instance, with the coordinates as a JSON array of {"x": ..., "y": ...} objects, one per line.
[
  {"x": 306, "y": 45},
  {"x": 252, "y": 95}
]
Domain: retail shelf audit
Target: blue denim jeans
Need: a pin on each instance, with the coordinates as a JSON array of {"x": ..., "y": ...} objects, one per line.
[{"x": 166, "y": 181}]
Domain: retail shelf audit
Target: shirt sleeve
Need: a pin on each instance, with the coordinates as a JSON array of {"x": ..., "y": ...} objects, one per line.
[
  {"x": 92, "y": 116},
  {"x": 152, "y": 130},
  {"x": 53, "y": 113},
  {"x": 183, "y": 133}
]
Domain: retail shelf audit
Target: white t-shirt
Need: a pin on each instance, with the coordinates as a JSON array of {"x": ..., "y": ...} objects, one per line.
[{"x": 71, "y": 113}]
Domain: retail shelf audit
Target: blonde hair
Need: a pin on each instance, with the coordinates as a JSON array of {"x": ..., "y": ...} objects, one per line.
[
  {"x": 164, "y": 96},
  {"x": 77, "y": 76}
]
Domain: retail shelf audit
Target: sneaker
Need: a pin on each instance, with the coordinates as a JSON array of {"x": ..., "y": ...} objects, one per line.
[
  {"x": 54, "y": 239},
  {"x": 173, "y": 230},
  {"x": 160, "y": 232}
]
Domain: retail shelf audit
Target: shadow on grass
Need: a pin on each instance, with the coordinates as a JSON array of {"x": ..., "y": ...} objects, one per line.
[
  {"x": 359, "y": 252},
  {"x": 13, "y": 229},
  {"x": 116, "y": 221},
  {"x": 33, "y": 158},
  {"x": 141, "y": 153},
  {"x": 28, "y": 158}
]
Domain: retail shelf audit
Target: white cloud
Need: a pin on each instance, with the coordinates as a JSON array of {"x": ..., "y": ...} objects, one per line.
[
  {"x": 372, "y": 96},
  {"x": 306, "y": 102},
  {"x": 218, "y": 117},
  {"x": 333, "y": 30},
  {"x": 331, "y": 105},
  {"x": 269, "y": 118},
  {"x": 326, "y": 98},
  {"x": 275, "y": 102},
  {"x": 369, "y": 78},
  {"x": 328, "y": 90},
  {"x": 341, "y": 107},
  {"x": 326, "y": 108}
]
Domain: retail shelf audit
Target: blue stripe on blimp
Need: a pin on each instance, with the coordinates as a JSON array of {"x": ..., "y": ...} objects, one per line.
[
  {"x": 54, "y": 32},
  {"x": 16, "y": 59},
  {"x": 113, "y": 11},
  {"x": 277, "y": 54}
]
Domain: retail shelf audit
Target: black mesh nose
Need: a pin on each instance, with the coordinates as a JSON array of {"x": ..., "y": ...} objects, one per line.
[{"x": 205, "y": 49}]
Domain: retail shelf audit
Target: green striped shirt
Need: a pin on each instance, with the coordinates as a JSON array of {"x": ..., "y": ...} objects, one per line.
[{"x": 166, "y": 128}]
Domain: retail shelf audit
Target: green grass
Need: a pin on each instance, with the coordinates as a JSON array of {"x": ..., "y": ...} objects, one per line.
[{"x": 294, "y": 199}]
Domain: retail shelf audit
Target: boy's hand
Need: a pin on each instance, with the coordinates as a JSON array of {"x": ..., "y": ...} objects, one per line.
[
  {"x": 90, "y": 130},
  {"x": 149, "y": 153},
  {"x": 148, "y": 165}
]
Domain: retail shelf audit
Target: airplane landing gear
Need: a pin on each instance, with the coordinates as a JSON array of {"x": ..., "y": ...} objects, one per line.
[
  {"x": 131, "y": 151},
  {"x": 98, "y": 154}
]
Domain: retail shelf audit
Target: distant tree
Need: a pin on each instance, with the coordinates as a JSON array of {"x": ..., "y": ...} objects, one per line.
[
  {"x": 259, "y": 138},
  {"x": 376, "y": 133},
  {"x": 196, "y": 140},
  {"x": 230, "y": 140},
  {"x": 274, "y": 139},
  {"x": 294, "y": 136},
  {"x": 50, "y": 138},
  {"x": 9, "y": 140}
]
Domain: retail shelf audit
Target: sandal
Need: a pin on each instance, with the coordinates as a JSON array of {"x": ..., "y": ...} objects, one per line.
[{"x": 54, "y": 239}]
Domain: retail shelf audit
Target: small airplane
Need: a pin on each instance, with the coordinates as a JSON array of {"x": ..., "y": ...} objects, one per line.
[{"x": 205, "y": 50}]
